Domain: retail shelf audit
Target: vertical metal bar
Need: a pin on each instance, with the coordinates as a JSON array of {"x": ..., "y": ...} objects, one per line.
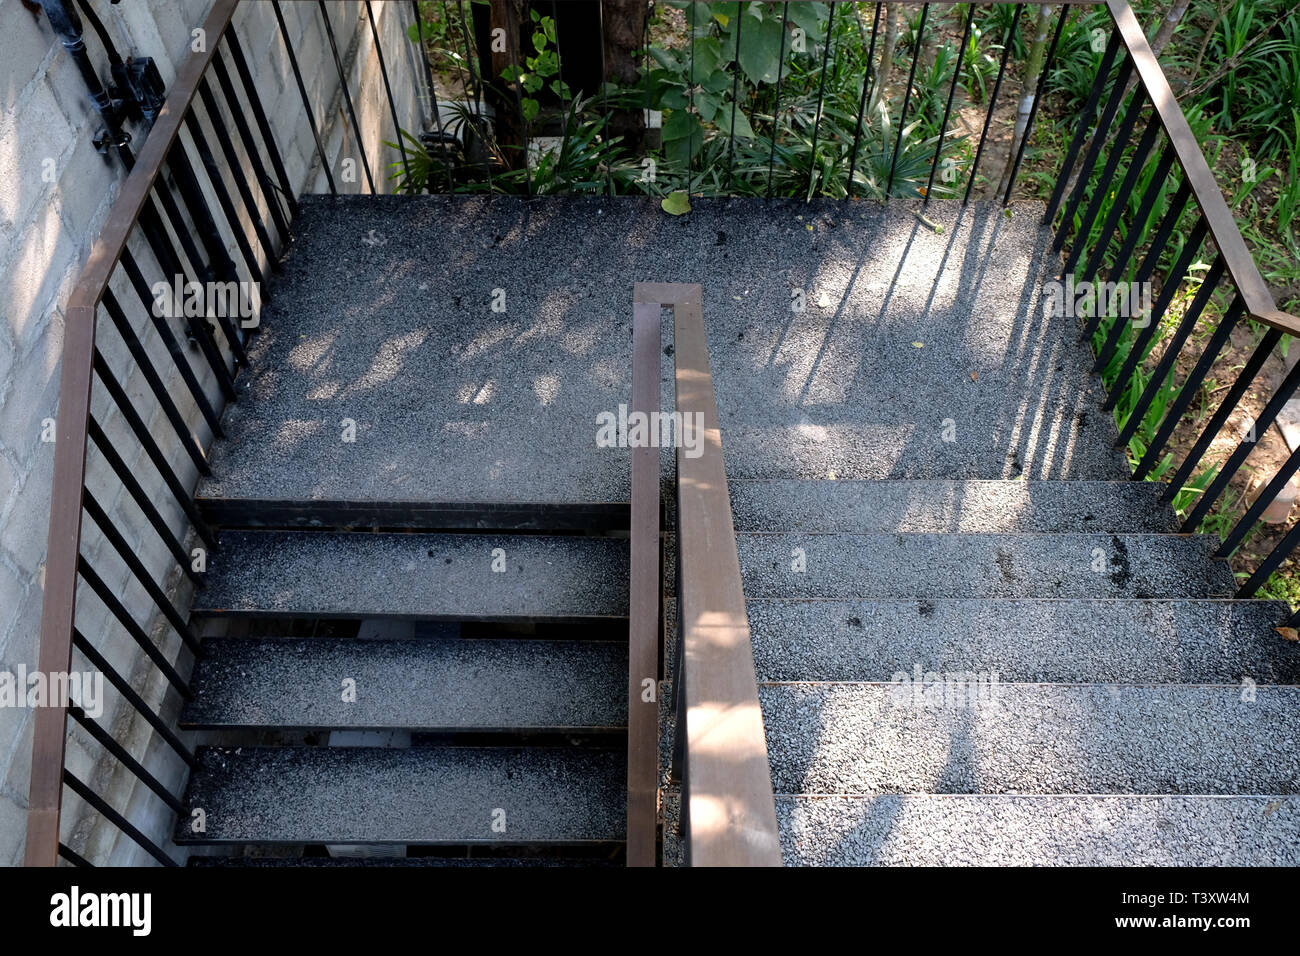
[
  {"x": 433, "y": 89},
  {"x": 1242, "y": 451},
  {"x": 137, "y": 769},
  {"x": 604, "y": 95},
  {"x": 1284, "y": 549},
  {"x": 1099, "y": 139},
  {"x": 907, "y": 98},
  {"x": 1102, "y": 188},
  {"x": 1081, "y": 131},
  {"x": 1172, "y": 348},
  {"x": 142, "y": 500},
  {"x": 143, "y": 362},
  {"x": 776, "y": 110},
  {"x": 867, "y": 82},
  {"x": 1190, "y": 387},
  {"x": 306, "y": 101},
  {"x": 173, "y": 347},
  {"x": 388, "y": 89},
  {"x": 131, "y": 626},
  {"x": 121, "y": 822},
  {"x": 735, "y": 90},
  {"x": 821, "y": 99},
  {"x": 347, "y": 95},
  {"x": 259, "y": 116},
  {"x": 73, "y": 857},
  {"x": 1038, "y": 98},
  {"x": 223, "y": 199},
  {"x": 127, "y": 553},
  {"x": 1226, "y": 408},
  {"x": 690, "y": 127},
  {"x": 151, "y": 447},
  {"x": 123, "y": 687},
  {"x": 1262, "y": 501},
  {"x": 1158, "y": 244},
  {"x": 1167, "y": 292},
  {"x": 466, "y": 19},
  {"x": 947, "y": 110},
  {"x": 1120, "y": 201},
  {"x": 1008, "y": 43},
  {"x": 253, "y": 154}
]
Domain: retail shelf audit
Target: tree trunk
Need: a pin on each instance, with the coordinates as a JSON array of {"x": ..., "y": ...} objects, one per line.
[
  {"x": 624, "y": 35},
  {"x": 891, "y": 15},
  {"x": 503, "y": 97},
  {"x": 1029, "y": 91}
]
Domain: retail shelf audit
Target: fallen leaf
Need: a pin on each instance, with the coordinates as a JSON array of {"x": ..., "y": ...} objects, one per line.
[
  {"x": 676, "y": 203},
  {"x": 974, "y": 376},
  {"x": 1289, "y": 633},
  {"x": 918, "y": 345},
  {"x": 824, "y": 301}
]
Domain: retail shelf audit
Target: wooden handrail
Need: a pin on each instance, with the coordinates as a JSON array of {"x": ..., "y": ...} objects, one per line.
[
  {"x": 728, "y": 810},
  {"x": 1223, "y": 226},
  {"x": 58, "y": 605}
]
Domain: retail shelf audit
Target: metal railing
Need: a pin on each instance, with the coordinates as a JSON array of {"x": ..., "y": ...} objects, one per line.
[{"x": 189, "y": 198}]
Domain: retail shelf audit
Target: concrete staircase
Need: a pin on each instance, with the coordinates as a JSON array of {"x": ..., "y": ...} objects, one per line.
[{"x": 417, "y": 634}]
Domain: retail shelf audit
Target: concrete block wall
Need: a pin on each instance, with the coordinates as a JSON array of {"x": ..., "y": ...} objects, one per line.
[{"x": 52, "y": 207}]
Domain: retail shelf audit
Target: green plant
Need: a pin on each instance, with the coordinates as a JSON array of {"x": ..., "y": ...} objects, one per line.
[{"x": 541, "y": 70}]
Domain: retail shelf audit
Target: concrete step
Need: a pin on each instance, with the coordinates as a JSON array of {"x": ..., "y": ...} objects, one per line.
[
  {"x": 434, "y": 685},
  {"x": 908, "y": 565},
  {"x": 1032, "y": 640},
  {"x": 977, "y": 735},
  {"x": 949, "y": 506},
  {"x": 360, "y": 575},
  {"x": 433, "y": 795},
  {"x": 403, "y": 862},
  {"x": 928, "y": 830}
]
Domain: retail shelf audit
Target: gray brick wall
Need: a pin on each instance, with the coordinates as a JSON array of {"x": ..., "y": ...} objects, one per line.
[{"x": 53, "y": 202}]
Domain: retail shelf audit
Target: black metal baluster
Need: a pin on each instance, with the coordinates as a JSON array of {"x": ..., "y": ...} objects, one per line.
[
  {"x": 259, "y": 117},
  {"x": 124, "y": 757},
  {"x": 821, "y": 99},
  {"x": 1102, "y": 189},
  {"x": 1172, "y": 348},
  {"x": 1081, "y": 131},
  {"x": 1038, "y": 98},
  {"x": 907, "y": 98},
  {"x": 145, "y": 295},
  {"x": 735, "y": 89},
  {"x": 119, "y": 821},
  {"x": 1094, "y": 152},
  {"x": 776, "y": 110},
  {"x": 1285, "y": 548},
  {"x": 223, "y": 196},
  {"x": 1190, "y": 387},
  {"x": 142, "y": 500},
  {"x": 867, "y": 83},
  {"x": 1242, "y": 451},
  {"x": 306, "y": 100},
  {"x": 388, "y": 89},
  {"x": 151, "y": 449},
  {"x": 947, "y": 110},
  {"x": 253, "y": 154},
  {"x": 127, "y": 553},
  {"x": 433, "y": 89},
  {"x": 123, "y": 687},
  {"x": 347, "y": 95},
  {"x": 143, "y": 362},
  {"x": 1120, "y": 202},
  {"x": 1007, "y": 44}
]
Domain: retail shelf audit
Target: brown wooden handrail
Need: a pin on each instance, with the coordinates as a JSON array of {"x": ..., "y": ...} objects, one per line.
[
  {"x": 58, "y": 607},
  {"x": 728, "y": 811},
  {"x": 1240, "y": 263}
]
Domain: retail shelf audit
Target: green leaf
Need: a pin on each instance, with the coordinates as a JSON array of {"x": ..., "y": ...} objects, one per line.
[
  {"x": 707, "y": 104},
  {"x": 811, "y": 17},
  {"x": 676, "y": 203},
  {"x": 679, "y": 125},
  {"x": 760, "y": 50},
  {"x": 708, "y": 56},
  {"x": 530, "y": 108},
  {"x": 743, "y": 129},
  {"x": 717, "y": 81}
]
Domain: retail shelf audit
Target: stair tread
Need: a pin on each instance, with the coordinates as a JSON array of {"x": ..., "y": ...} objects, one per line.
[
  {"x": 427, "y": 685},
  {"x": 1048, "y": 640},
  {"x": 420, "y": 795},
  {"x": 357, "y": 574},
  {"x": 928, "y": 565},
  {"x": 995, "y": 830},
  {"x": 948, "y": 506},
  {"x": 987, "y": 737}
]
